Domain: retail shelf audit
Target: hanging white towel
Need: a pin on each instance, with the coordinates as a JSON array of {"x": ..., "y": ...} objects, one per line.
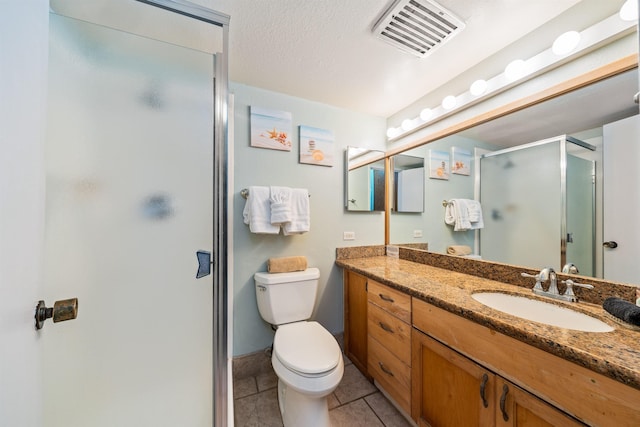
[
  {"x": 457, "y": 214},
  {"x": 257, "y": 211},
  {"x": 475, "y": 214},
  {"x": 300, "y": 213},
  {"x": 280, "y": 205}
]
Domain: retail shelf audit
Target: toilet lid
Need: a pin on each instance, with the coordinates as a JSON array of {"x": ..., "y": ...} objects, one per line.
[{"x": 306, "y": 347}]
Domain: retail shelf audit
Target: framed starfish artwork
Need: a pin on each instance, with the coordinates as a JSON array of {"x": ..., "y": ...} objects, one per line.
[{"x": 270, "y": 129}]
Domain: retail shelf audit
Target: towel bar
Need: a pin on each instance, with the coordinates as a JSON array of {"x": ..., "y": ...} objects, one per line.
[
  {"x": 245, "y": 193},
  {"x": 445, "y": 203}
]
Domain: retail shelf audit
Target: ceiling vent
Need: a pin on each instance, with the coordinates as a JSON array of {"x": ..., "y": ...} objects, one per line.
[{"x": 417, "y": 26}]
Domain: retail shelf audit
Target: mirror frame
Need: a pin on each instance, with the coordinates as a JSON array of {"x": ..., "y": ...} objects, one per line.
[{"x": 622, "y": 65}]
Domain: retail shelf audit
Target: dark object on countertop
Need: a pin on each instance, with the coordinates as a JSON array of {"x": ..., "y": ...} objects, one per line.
[{"x": 623, "y": 310}]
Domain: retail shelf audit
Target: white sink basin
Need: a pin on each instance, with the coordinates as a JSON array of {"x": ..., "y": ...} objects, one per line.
[{"x": 541, "y": 312}]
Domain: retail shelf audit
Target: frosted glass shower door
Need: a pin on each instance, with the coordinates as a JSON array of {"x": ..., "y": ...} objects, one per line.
[
  {"x": 129, "y": 175},
  {"x": 521, "y": 200}
]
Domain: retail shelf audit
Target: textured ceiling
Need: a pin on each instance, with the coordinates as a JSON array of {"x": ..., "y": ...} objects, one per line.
[{"x": 324, "y": 50}]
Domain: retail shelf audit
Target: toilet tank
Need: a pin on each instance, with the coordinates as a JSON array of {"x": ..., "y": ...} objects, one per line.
[{"x": 286, "y": 297}]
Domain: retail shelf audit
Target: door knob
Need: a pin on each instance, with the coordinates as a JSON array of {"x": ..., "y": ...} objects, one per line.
[
  {"x": 610, "y": 245},
  {"x": 62, "y": 310}
]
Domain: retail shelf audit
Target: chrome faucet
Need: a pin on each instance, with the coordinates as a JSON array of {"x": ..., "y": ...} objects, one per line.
[
  {"x": 570, "y": 268},
  {"x": 549, "y": 274}
]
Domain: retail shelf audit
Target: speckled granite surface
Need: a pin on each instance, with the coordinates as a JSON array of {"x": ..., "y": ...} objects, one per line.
[{"x": 614, "y": 354}]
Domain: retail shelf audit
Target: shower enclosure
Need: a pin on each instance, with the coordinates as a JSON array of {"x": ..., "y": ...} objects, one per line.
[
  {"x": 538, "y": 201},
  {"x": 136, "y": 185}
]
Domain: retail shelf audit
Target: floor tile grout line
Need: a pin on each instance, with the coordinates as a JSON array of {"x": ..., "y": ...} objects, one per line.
[{"x": 373, "y": 410}]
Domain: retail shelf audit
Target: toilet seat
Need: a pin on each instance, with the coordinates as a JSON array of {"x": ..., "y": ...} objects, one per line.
[{"x": 306, "y": 348}]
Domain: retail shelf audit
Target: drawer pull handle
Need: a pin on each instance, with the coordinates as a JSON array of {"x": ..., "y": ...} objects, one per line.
[
  {"x": 385, "y": 369},
  {"x": 483, "y": 386},
  {"x": 386, "y": 327},
  {"x": 386, "y": 298},
  {"x": 503, "y": 400}
]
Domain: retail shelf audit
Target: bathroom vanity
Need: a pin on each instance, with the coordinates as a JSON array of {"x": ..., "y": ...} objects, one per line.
[{"x": 448, "y": 360}]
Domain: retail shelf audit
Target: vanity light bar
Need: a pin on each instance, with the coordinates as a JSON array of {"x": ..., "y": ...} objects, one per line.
[{"x": 599, "y": 34}]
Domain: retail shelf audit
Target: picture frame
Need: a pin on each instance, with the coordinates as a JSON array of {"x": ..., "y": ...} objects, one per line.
[
  {"x": 461, "y": 161},
  {"x": 439, "y": 164},
  {"x": 316, "y": 146},
  {"x": 270, "y": 129}
]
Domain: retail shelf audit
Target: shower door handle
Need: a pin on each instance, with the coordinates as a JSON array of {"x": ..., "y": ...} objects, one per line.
[
  {"x": 204, "y": 264},
  {"x": 610, "y": 245}
]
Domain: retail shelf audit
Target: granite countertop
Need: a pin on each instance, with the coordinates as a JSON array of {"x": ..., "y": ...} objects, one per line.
[{"x": 614, "y": 354}]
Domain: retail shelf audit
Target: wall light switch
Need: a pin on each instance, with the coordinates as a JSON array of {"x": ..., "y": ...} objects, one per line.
[
  {"x": 349, "y": 235},
  {"x": 417, "y": 233}
]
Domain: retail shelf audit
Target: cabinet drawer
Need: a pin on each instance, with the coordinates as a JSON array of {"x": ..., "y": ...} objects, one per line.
[
  {"x": 391, "y": 332},
  {"x": 393, "y": 375},
  {"x": 393, "y": 301}
]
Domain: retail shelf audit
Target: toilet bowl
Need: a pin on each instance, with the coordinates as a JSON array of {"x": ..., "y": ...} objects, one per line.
[
  {"x": 306, "y": 357},
  {"x": 309, "y": 365}
]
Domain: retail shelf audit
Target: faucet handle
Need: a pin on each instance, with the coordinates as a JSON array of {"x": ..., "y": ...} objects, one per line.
[
  {"x": 537, "y": 277},
  {"x": 570, "y": 284}
]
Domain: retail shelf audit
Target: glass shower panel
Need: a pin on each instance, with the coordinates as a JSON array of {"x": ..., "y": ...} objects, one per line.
[
  {"x": 580, "y": 214},
  {"x": 521, "y": 200},
  {"x": 129, "y": 169}
]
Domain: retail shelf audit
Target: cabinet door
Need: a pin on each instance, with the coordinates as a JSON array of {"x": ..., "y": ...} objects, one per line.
[
  {"x": 517, "y": 407},
  {"x": 449, "y": 390},
  {"x": 355, "y": 319}
]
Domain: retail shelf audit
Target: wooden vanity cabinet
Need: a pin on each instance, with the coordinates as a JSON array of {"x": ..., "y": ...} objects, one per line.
[
  {"x": 518, "y": 408},
  {"x": 450, "y": 390},
  {"x": 559, "y": 392},
  {"x": 355, "y": 319},
  {"x": 389, "y": 341}
]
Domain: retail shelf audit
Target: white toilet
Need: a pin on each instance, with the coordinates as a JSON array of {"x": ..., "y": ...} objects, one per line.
[{"x": 306, "y": 357}]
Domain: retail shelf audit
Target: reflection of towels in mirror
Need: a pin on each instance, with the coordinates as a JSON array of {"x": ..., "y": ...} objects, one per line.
[
  {"x": 459, "y": 213},
  {"x": 475, "y": 214},
  {"x": 459, "y": 250}
]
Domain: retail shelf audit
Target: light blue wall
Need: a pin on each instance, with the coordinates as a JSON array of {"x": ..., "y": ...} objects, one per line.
[
  {"x": 431, "y": 222},
  {"x": 257, "y": 166}
]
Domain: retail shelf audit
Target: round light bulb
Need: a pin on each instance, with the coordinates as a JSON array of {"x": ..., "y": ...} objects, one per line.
[
  {"x": 407, "y": 124},
  {"x": 478, "y": 87},
  {"x": 426, "y": 114},
  {"x": 392, "y": 132},
  {"x": 566, "y": 42},
  {"x": 449, "y": 102},
  {"x": 629, "y": 10},
  {"x": 515, "y": 69}
]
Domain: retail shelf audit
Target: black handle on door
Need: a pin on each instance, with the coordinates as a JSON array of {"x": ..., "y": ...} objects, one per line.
[
  {"x": 483, "y": 386},
  {"x": 204, "y": 264},
  {"x": 611, "y": 244}
]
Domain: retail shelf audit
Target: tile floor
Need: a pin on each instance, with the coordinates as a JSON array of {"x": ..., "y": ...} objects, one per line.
[{"x": 356, "y": 402}]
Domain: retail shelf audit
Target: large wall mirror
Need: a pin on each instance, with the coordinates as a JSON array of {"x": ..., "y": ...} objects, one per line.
[
  {"x": 364, "y": 180},
  {"x": 581, "y": 112}
]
